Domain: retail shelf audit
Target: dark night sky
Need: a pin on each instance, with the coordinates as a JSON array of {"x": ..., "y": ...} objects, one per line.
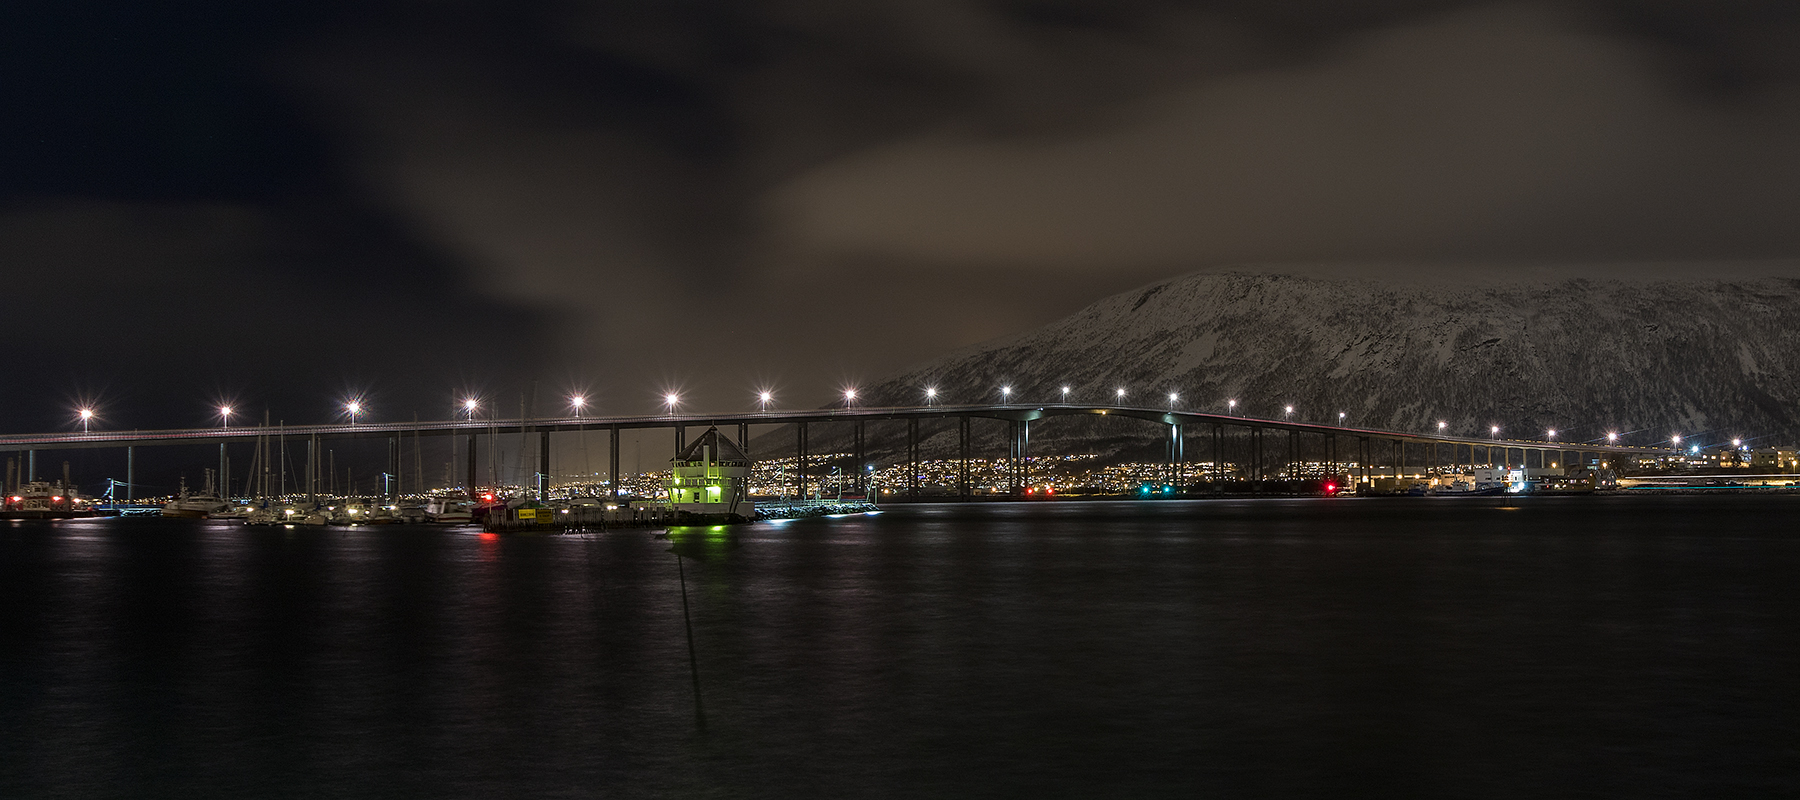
[{"x": 282, "y": 203}]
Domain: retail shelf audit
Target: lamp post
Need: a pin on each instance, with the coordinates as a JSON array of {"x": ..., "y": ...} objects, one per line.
[
  {"x": 1611, "y": 437},
  {"x": 1341, "y": 416},
  {"x": 353, "y": 408},
  {"x": 87, "y": 414},
  {"x": 1442, "y": 425},
  {"x": 763, "y": 399},
  {"x": 1120, "y": 394},
  {"x": 1231, "y": 406},
  {"x": 1494, "y": 431},
  {"x": 578, "y": 403},
  {"x": 849, "y": 398},
  {"x": 671, "y": 400},
  {"x": 1552, "y": 434},
  {"x": 1172, "y": 398},
  {"x": 1287, "y": 413},
  {"x": 930, "y": 395},
  {"x": 1005, "y": 395},
  {"x": 1065, "y": 394},
  {"x": 469, "y": 407},
  {"x": 224, "y": 416}
]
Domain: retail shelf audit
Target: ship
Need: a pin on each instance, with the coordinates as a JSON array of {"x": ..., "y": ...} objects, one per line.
[
  {"x": 45, "y": 500},
  {"x": 201, "y": 505}
]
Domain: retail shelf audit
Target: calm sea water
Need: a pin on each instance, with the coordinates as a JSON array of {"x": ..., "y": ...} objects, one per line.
[{"x": 1621, "y": 647}]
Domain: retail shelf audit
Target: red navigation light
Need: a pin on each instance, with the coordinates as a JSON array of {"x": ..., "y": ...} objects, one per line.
[
  {"x": 55, "y": 499},
  {"x": 1030, "y": 490},
  {"x": 488, "y": 497},
  {"x": 1331, "y": 488},
  {"x": 1049, "y": 490}
]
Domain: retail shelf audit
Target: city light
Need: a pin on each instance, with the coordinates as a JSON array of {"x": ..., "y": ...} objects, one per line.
[
  {"x": 1675, "y": 440},
  {"x": 578, "y": 403},
  {"x": 469, "y": 405},
  {"x": 1611, "y": 437},
  {"x": 849, "y": 397},
  {"x": 671, "y": 400},
  {"x": 1005, "y": 393},
  {"x": 353, "y": 408},
  {"x": 1442, "y": 425},
  {"x": 1120, "y": 394},
  {"x": 1287, "y": 411},
  {"x": 764, "y": 398},
  {"x": 1172, "y": 398},
  {"x": 86, "y": 414},
  {"x": 1230, "y": 406},
  {"x": 930, "y": 394},
  {"x": 1737, "y": 442},
  {"x": 1495, "y": 430},
  {"x": 224, "y": 416},
  {"x": 1065, "y": 394},
  {"x": 1552, "y": 433},
  {"x": 1341, "y": 416}
]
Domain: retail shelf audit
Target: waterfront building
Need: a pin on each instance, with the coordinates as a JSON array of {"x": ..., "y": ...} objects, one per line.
[
  {"x": 710, "y": 480},
  {"x": 1775, "y": 459}
]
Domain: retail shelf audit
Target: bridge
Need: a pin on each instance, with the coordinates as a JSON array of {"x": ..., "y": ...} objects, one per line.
[{"x": 1426, "y": 449}]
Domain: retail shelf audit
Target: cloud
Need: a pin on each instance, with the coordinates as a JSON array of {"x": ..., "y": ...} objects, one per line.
[{"x": 1500, "y": 132}]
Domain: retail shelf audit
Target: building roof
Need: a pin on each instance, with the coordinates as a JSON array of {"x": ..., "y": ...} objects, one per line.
[{"x": 723, "y": 448}]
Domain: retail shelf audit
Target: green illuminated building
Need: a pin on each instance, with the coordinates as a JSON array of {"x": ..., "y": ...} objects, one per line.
[{"x": 709, "y": 481}]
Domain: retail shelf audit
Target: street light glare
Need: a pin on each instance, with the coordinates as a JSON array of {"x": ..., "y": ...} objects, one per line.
[
  {"x": 1442, "y": 424},
  {"x": 766, "y": 396},
  {"x": 354, "y": 408},
  {"x": 1612, "y": 437},
  {"x": 469, "y": 404},
  {"x": 578, "y": 401},
  {"x": 1174, "y": 396},
  {"x": 87, "y": 413}
]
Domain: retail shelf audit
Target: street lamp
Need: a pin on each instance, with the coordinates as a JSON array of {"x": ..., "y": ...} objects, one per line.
[
  {"x": 671, "y": 400},
  {"x": 1737, "y": 442},
  {"x": 1494, "y": 430},
  {"x": 849, "y": 397},
  {"x": 1287, "y": 412},
  {"x": 930, "y": 395},
  {"x": 86, "y": 414},
  {"x": 1065, "y": 394},
  {"x": 1676, "y": 440},
  {"x": 1230, "y": 406},
  {"x": 1120, "y": 393},
  {"x": 1611, "y": 437},
  {"x": 1172, "y": 398},
  {"x": 224, "y": 416},
  {"x": 763, "y": 399},
  {"x": 578, "y": 403},
  {"x": 1442, "y": 425},
  {"x": 1005, "y": 394},
  {"x": 1552, "y": 433},
  {"x": 469, "y": 407},
  {"x": 353, "y": 408},
  {"x": 1341, "y": 416}
]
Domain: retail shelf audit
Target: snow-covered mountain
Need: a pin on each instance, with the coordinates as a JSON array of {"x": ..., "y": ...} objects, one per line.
[{"x": 1648, "y": 356}]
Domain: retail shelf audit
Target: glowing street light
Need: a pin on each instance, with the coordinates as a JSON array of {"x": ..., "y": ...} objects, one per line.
[
  {"x": 224, "y": 416},
  {"x": 764, "y": 398},
  {"x": 1442, "y": 425},
  {"x": 469, "y": 406},
  {"x": 1005, "y": 394},
  {"x": 1494, "y": 430},
  {"x": 1341, "y": 416},
  {"x": 1230, "y": 406},
  {"x": 1737, "y": 442},
  {"x": 578, "y": 403},
  {"x": 1172, "y": 398},
  {"x": 87, "y": 415},
  {"x": 1552, "y": 433},
  {"x": 1120, "y": 393},
  {"x": 671, "y": 400},
  {"x": 1287, "y": 412},
  {"x": 1065, "y": 394},
  {"x": 1676, "y": 440},
  {"x": 353, "y": 408},
  {"x": 1611, "y": 437},
  {"x": 849, "y": 397},
  {"x": 930, "y": 395}
]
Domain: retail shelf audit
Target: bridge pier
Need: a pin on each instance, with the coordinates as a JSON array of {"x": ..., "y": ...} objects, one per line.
[
  {"x": 130, "y": 472},
  {"x": 800, "y": 461},
  {"x": 612, "y": 462},
  {"x": 543, "y": 465},
  {"x": 962, "y": 469},
  {"x": 912, "y": 457},
  {"x": 473, "y": 493}
]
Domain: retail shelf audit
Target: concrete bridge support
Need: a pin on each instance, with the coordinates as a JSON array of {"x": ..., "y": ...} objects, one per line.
[
  {"x": 474, "y": 494},
  {"x": 612, "y": 461},
  {"x": 543, "y": 466}
]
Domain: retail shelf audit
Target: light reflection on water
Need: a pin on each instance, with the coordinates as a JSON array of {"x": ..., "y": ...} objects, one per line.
[{"x": 1616, "y": 646}]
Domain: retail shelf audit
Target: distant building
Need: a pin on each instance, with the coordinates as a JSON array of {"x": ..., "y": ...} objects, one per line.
[
  {"x": 709, "y": 481},
  {"x": 1774, "y": 459}
]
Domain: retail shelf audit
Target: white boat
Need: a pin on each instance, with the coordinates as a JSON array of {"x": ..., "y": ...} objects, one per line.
[
  {"x": 201, "y": 505},
  {"x": 449, "y": 512}
]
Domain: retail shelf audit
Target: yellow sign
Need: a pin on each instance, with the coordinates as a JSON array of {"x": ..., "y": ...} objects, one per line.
[{"x": 527, "y": 513}]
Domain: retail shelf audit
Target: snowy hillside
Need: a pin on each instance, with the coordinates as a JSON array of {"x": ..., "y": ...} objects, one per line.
[{"x": 1710, "y": 359}]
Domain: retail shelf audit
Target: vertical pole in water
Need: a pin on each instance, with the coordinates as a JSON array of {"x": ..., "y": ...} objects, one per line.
[
  {"x": 543, "y": 465},
  {"x": 612, "y": 461},
  {"x": 130, "y": 471},
  {"x": 472, "y": 462},
  {"x": 800, "y": 461}
]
